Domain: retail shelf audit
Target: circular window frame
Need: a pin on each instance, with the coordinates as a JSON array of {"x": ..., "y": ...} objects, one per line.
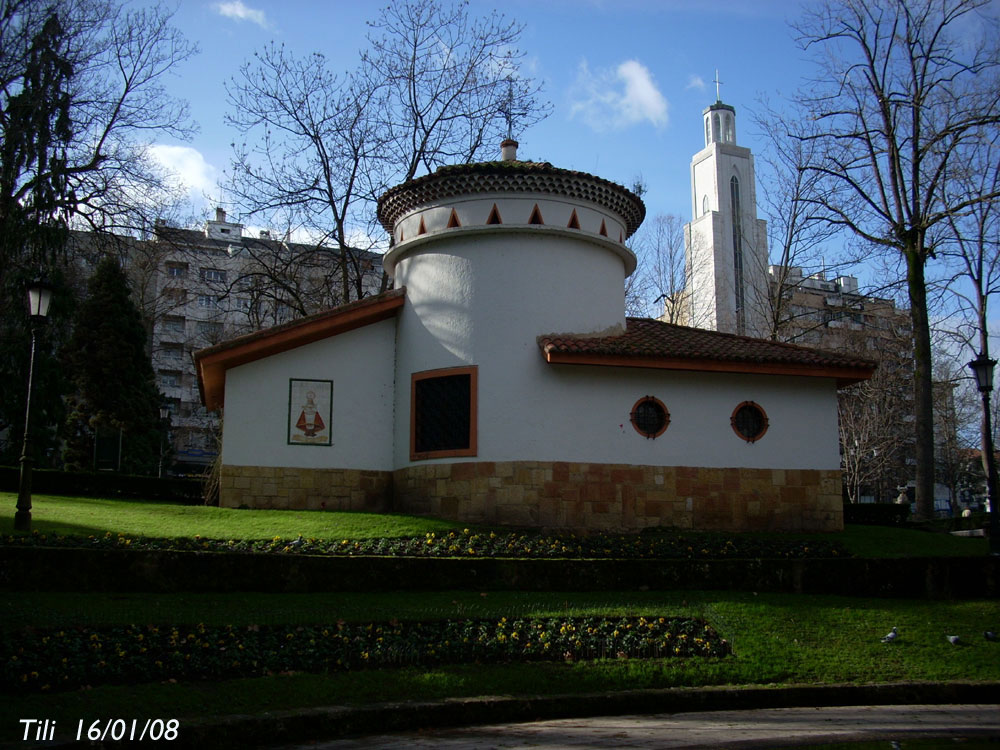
[
  {"x": 658, "y": 403},
  {"x": 763, "y": 415}
]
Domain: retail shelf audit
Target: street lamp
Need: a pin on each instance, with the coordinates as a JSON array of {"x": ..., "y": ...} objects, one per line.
[
  {"x": 982, "y": 368},
  {"x": 39, "y": 297},
  {"x": 164, "y": 416}
]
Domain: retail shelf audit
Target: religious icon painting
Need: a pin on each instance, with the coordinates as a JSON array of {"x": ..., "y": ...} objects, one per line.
[{"x": 310, "y": 412}]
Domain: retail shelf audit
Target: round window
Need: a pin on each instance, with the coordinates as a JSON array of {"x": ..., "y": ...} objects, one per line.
[
  {"x": 749, "y": 421},
  {"x": 649, "y": 417}
]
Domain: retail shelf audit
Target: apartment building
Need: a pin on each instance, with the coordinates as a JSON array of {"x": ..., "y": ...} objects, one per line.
[{"x": 199, "y": 287}]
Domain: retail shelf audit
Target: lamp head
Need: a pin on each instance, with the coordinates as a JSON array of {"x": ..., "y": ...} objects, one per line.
[
  {"x": 982, "y": 368},
  {"x": 39, "y": 297}
]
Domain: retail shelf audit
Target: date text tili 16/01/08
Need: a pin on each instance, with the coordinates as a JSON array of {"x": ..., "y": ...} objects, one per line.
[{"x": 43, "y": 730}]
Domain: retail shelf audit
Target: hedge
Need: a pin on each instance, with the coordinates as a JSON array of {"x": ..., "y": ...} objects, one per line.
[{"x": 106, "y": 484}]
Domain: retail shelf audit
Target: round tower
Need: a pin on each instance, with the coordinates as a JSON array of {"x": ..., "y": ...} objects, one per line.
[{"x": 492, "y": 256}]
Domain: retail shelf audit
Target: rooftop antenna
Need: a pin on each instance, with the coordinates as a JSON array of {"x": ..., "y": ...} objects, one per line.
[{"x": 718, "y": 83}]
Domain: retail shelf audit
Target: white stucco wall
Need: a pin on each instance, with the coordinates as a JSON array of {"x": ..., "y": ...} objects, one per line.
[
  {"x": 581, "y": 413},
  {"x": 360, "y": 364}
]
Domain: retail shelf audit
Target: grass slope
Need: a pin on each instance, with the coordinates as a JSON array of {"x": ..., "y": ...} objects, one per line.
[
  {"x": 93, "y": 516},
  {"x": 89, "y": 516},
  {"x": 777, "y": 639}
]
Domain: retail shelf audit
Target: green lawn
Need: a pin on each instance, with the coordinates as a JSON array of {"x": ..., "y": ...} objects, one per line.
[
  {"x": 777, "y": 639},
  {"x": 90, "y": 516}
]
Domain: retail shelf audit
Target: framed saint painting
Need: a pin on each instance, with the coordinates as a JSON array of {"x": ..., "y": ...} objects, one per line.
[{"x": 310, "y": 412}]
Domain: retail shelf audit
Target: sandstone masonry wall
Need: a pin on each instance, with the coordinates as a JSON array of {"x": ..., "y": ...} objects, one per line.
[{"x": 558, "y": 495}]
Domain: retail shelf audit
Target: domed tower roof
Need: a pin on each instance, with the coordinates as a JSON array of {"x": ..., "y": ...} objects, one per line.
[
  {"x": 510, "y": 176},
  {"x": 507, "y": 196}
]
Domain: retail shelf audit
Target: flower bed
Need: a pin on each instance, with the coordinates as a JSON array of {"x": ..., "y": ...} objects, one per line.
[
  {"x": 40, "y": 660},
  {"x": 469, "y": 543}
]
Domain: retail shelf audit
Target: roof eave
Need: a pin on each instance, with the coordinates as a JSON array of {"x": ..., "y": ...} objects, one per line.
[
  {"x": 844, "y": 375},
  {"x": 212, "y": 362}
]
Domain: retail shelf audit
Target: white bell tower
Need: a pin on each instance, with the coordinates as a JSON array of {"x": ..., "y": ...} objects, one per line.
[{"x": 725, "y": 242}]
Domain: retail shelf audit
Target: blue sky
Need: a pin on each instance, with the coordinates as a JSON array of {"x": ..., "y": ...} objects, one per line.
[{"x": 628, "y": 79}]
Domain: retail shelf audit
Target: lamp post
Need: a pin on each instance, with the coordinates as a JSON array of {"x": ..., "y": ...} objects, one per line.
[
  {"x": 164, "y": 416},
  {"x": 982, "y": 367},
  {"x": 39, "y": 297}
]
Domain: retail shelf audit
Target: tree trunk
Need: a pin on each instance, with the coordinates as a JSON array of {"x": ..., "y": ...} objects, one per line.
[{"x": 922, "y": 386}]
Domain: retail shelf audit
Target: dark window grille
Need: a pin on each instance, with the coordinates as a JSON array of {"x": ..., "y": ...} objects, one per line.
[
  {"x": 443, "y": 413},
  {"x": 650, "y": 417},
  {"x": 749, "y": 421}
]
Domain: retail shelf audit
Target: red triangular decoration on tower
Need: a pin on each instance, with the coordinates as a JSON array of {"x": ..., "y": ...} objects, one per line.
[
  {"x": 536, "y": 216},
  {"x": 453, "y": 220},
  {"x": 620, "y": 237},
  {"x": 400, "y": 235},
  {"x": 574, "y": 222},
  {"x": 494, "y": 217},
  {"x": 604, "y": 229},
  {"x": 423, "y": 227}
]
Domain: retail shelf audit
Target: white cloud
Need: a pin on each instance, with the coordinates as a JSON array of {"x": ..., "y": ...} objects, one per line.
[
  {"x": 237, "y": 10},
  {"x": 695, "y": 82},
  {"x": 189, "y": 169},
  {"x": 614, "y": 99}
]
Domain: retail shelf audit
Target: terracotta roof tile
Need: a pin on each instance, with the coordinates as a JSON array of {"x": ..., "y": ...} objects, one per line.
[
  {"x": 509, "y": 176},
  {"x": 653, "y": 343}
]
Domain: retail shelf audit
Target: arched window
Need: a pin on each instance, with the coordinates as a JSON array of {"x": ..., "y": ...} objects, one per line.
[
  {"x": 730, "y": 136},
  {"x": 704, "y": 205},
  {"x": 708, "y": 131},
  {"x": 734, "y": 197},
  {"x": 716, "y": 124}
]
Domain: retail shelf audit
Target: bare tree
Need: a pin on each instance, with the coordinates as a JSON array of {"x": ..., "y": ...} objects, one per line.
[
  {"x": 905, "y": 85},
  {"x": 436, "y": 86},
  {"x": 973, "y": 245},
  {"x": 307, "y": 161},
  {"x": 453, "y": 84},
  {"x": 658, "y": 287},
  {"x": 874, "y": 439}
]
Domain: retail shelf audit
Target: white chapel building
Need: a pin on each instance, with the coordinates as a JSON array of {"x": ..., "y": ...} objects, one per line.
[{"x": 500, "y": 382}]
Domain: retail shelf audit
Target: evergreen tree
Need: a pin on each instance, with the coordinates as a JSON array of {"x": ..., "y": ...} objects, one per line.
[{"x": 113, "y": 388}]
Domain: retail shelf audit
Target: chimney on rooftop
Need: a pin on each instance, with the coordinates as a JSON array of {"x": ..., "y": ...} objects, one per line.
[
  {"x": 508, "y": 150},
  {"x": 220, "y": 214}
]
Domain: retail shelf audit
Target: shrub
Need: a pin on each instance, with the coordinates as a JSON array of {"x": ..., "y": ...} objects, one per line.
[
  {"x": 41, "y": 660},
  {"x": 876, "y": 514}
]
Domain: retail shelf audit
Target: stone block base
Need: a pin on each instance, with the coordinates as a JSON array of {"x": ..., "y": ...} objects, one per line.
[
  {"x": 557, "y": 495},
  {"x": 585, "y": 496},
  {"x": 305, "y": 489}
]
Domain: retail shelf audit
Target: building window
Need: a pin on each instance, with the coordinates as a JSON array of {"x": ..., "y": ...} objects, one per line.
[
  {"x": 175, "y": 296},
  {"x": 170, "y": 378},
  {"x": 209, "y": 301},
  {"x": 649, "y": 417},
  {"x": 211, "y": 332},
  {"x": 749, "y": 421},
  {"x": 174, "y": 351},
  {"x": 173, "y": 324},
  {"x": 443, "y": 413},
  {"x": 177, "y": 270},
  {"x": 213, "y": 274}
]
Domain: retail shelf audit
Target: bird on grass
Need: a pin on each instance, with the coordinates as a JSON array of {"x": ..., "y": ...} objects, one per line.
[
  {"x": 891, "y": 635},
  {"x": 954, "y": 640},
  {"x": 989, "y": 635}
]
